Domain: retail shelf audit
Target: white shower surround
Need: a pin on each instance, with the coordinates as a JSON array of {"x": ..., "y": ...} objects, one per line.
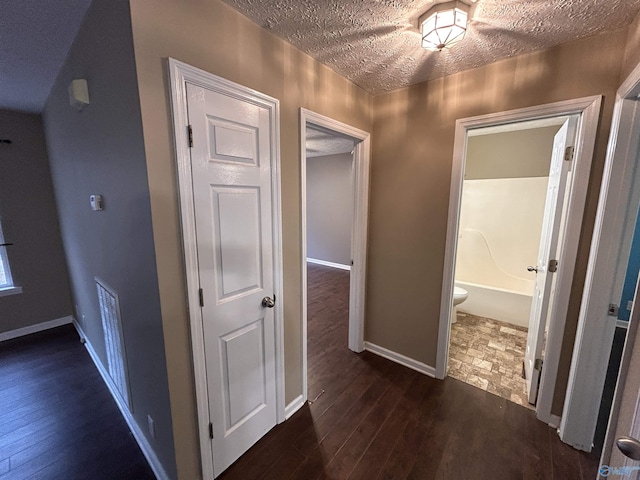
[
  {"x": 496, "y": 303},
  {"x": 500, "y": 226}
]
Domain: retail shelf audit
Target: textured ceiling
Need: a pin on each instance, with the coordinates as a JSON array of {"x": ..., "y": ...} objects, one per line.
[
  {"x": 376, "y": 43},
  {"x": 35, "y": 36}
]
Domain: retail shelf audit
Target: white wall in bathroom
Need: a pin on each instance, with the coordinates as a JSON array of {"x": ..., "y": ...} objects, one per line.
[{"x": 500, "y": 226}]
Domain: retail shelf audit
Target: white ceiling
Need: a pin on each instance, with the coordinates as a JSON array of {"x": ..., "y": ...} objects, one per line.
[
  {"x": 322, "y": 142},
  {"x": 35, "y": 36},
  {"x": 376, "y": 43}
]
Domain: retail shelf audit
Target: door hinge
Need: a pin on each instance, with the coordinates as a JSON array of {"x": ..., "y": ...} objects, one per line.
[
  {"x": 352, "y": 263},
  {"x": 538, "y": 364},
  {"x": 613, "y": 310},
  {"x": 553, "y": 266},
  {"x": 201, "y": 297},
  {"x": 190, "y": 134},
  {"x": 568, "y": 154},
  {"x": 210, "y": 430}
]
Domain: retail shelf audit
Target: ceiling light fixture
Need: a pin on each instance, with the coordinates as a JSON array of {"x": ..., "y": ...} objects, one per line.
[{"x": 443, "y": 25}]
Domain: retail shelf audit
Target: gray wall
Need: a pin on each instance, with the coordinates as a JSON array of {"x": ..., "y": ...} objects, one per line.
[
  {"x": 519, "y": 154},
  {"x": 100, "y": 150},
  {"x": 330, "y": 208},
  {"x": 30, "y": 222}
]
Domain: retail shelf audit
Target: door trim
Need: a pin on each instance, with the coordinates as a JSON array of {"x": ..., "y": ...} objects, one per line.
[
  {"x": 179, "y": 74},
  {"x": 589, "y": 110},
  {"x": 361, "y": 171},
  {"x": 603, "y": 282}
]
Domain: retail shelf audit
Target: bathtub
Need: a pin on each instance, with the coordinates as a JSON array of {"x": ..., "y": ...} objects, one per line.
[{"x": 497, "y": 303}]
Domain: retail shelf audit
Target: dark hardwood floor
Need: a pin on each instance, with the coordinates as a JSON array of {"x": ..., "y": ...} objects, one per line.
[
  {"x": 57, "y": 418},
  {"x": 374, "y": 419}
]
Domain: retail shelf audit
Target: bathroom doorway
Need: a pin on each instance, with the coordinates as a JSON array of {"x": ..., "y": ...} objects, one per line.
[
  {"x": 510, "y": 219},
  {"x": 552, "y": 302}
]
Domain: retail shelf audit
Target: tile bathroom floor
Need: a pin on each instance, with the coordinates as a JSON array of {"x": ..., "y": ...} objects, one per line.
[{"x": 488, "y": 354}]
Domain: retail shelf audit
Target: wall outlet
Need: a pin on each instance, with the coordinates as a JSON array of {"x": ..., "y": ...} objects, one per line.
[
  {"x": 77, "y": 319},
  {"x": 152, "y": 427}
]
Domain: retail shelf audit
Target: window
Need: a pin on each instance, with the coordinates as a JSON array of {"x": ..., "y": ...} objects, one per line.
[{"x": 6, "y": 282}]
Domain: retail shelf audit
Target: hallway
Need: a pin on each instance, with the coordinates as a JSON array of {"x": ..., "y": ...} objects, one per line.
[
  {"x": 57, "y": 417},
  {"x": 379, "y": 420}
]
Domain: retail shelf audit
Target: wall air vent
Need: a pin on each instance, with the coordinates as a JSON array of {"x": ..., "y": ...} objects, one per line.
[{"x": 114, "y": 339}]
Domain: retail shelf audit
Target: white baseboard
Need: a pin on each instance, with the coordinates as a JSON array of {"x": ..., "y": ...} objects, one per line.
[
  {"x": 401, "y": 359},
  {"x": 38, "y": 327},
  {"x": 622, "y": 324},
  {"x": 329, "y": 264},
  {"x": 143, "y": 443},
  {"x": 6, "y": 291},
  {"x": 554, "y": 421},
  {"x": 294, "y": 406}
]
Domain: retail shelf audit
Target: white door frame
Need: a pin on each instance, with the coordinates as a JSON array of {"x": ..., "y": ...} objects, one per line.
[
  {"x": 603, "y": 284},
  {"x": 589, "y": 110},
  {"x": 361, "y": 169},
  {"x": 179, "y": 74}
]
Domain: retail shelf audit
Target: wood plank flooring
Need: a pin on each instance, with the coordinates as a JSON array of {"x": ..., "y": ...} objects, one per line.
[
  {"x": 374, "y": 419},
  {"x": 57, "y": 418}
]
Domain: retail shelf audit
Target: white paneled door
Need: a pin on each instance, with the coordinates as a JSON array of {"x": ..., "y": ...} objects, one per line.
[
  {"x": 231, "y": 168},
  {"x": 561, "y": 159}
]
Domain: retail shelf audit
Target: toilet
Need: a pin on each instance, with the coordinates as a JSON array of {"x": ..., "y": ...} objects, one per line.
[{"x": 459, "y": 296}]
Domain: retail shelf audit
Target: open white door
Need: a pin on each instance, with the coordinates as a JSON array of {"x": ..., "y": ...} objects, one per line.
[
  {"x": 231, "y": 168},
  {"x": 560, "y": 163}
]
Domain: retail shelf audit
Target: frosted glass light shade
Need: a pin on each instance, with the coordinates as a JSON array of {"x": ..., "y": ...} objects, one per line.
[{"x": 443, "y": 25}]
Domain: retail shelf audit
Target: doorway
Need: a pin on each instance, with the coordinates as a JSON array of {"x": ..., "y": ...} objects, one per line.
[
  {"x": 329, "y": 214},
  {"x": 320, "y": 135},
  {"x": 330, "y": 196},
  {"x": 587, "y": 110},
  {"x": 610, "y": 272},
  {"x": 512, "y": 206}
]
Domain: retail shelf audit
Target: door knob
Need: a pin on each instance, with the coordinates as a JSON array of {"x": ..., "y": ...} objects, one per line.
[
  {"x": 532, "y": 269},
  {"x": 269, "y": 302},
  {"x": 630, "y": 447}
]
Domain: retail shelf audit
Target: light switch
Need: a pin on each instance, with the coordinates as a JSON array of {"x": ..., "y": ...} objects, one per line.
[
  {"x": 96, "y": 202},
  {"x": 79, "y": 93}
]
